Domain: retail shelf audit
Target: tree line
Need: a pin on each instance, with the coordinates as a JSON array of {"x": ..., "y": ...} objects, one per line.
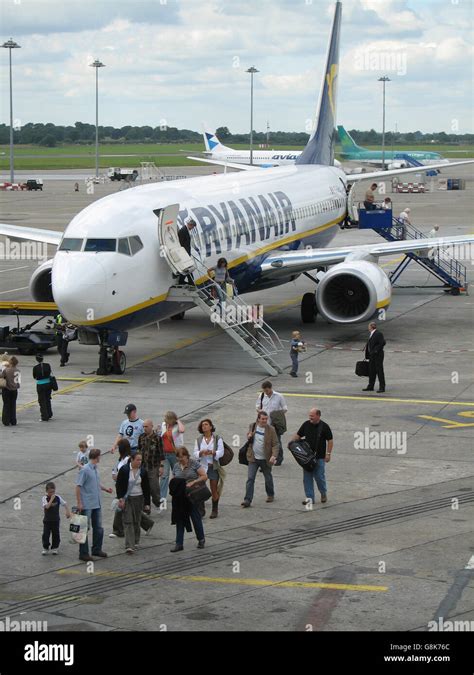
[{"x": 51, "y": 135}]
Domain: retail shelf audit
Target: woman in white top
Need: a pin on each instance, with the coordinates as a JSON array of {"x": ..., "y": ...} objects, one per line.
[{"x": 209, "y": 448}]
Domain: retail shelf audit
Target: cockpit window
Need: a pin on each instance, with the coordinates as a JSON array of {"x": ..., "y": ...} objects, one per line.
[
  {"x": 101, "y": 245},
  {"x": 135, "y": 244},
  {"x": 123, "y": 246},
  {"x": 70, "y": 244}
]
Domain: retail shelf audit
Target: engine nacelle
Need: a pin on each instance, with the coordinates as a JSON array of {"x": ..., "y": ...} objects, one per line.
[
  {"x": 40, "y": 283},
  {"x": 353, "y": 291}
]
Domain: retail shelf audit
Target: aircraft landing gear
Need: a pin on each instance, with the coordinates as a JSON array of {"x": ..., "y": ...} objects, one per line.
[
  {"x": 308, "y": 308},
  {"x": 111, "y": 360}
]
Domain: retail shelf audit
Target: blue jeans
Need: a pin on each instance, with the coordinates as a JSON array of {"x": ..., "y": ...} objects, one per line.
[
  {"x": 170, "y": 461},
  {"x": 294, "y": 362},
  {"x": 197, "y": 524},
  {"x": 252, "y": 472},
  {"x": 318, "y": 475},
  {"x": 94, "y": 517}
]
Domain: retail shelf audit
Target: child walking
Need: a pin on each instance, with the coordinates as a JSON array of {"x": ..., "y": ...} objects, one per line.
[
  {"x": 51, "y": 504},
  {"x": 82, "y": 457},
  {"x": 297, "y": 345}
]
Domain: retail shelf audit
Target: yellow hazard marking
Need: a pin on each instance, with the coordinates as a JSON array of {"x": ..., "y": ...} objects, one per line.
[
  {"x": 233, "y": 581},
  {"x": 381, "y": 399},
  {"x": 81, "y": 379}
]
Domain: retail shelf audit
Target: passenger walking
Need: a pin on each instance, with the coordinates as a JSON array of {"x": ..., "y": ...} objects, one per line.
[
  {"x": 223, "y": 280},
  {"x": 42, "y": 375},
  {"x": 12, "y": 376},
  {"x": 150, "y": 444},
  {"x": 208, "y": 449},
  {"x": 124, "y": 453},
  {"x": 404, "y": 220},
  {"x": 319, "y": 437},
  {"x": 184, "y": 238},
  {"x": 82, "y": 456},
  {"x": 297, "y": 345},
  {"x": 172, "y": 431},
  {"x": 369, "y": 201},
  {"x": 274, "y": 404},
  {"x": 88, "y": 489},
  {"x": 187, "y": 472},
  {"x": 51, "y": 519},
  {"x": 375, "y": 354},
  {"x": 262, "y": 453},
  {"x": 133, "y": 493},
  {"x": 131, "y": 428}
]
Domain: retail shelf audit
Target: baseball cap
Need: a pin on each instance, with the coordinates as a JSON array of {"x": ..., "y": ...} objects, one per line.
[{"x": 129, "y": 408}]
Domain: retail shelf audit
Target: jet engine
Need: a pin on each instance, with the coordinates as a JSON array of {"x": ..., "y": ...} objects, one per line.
[
  {"x": 353, "y": 291},
  {"x": 40, "y": 283}
]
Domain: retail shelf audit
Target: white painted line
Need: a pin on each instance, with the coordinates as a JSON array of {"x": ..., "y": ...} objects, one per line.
[
  {"x": 470, "y": 564},
  {"x": 14, "y": 289},
  {"x": 12, "y": 269}
]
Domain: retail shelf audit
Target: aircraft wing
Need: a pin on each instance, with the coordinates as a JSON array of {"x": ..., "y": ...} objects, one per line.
[
  {"x": 31, "y": 233},
  {"x": 284, "y": 263},
  {"x": 230, "y": 165},
  {"x": 411, "y": 169}
]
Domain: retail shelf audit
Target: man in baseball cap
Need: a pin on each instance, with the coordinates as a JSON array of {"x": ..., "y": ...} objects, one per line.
[{"x": 131, "y": 428}]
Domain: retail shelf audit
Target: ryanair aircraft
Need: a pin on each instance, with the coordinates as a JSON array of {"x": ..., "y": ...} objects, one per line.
[{"x": 116, "y": 260}]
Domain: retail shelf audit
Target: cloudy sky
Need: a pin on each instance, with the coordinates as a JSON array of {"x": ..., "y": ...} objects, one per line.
[{"x": 180, "y": 62}]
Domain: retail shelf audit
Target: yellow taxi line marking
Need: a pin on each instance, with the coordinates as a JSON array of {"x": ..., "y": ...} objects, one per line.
[
  {"x": 379, "y": 399},
  {"x": 235, "y": 581},
  {"x": 448, "y": 424},
  {"x": 390, "y": 262},
  {"x": 81, "y": 379}
]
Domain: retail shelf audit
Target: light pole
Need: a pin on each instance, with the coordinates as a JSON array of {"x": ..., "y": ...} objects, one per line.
[
  {"x": 11, "y": 45},
  {"x": 384, "y": 80},
  {"x": 251, "y": 70},
  {"x": 97, "y": 64}
]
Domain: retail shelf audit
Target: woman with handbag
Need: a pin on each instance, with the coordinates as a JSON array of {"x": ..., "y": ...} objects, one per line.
[
  {"x": 208, "y": 449},
  {"x": 172, "y": 430},
  {"x": 133, "y": 492},
  {"x": 124, "y": 452},
  {"x": 11, "y": 376},
  {"x": 42, "y": 375},
  {"x": 184, "y": 510}
]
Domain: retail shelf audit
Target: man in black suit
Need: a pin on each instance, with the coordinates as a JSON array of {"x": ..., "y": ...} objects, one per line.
[
  {"x": 185, "y": 241},
  {"x": 374, "y": 352}
]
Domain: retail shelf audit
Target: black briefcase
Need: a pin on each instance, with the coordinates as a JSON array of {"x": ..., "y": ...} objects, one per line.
[{"x": 362, "y": 368}]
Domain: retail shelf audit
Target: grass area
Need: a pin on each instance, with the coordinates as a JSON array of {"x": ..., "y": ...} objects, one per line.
[{"x": 163, "y": 155}]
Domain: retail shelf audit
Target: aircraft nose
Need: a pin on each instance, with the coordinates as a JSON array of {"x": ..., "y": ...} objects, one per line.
[{"x": 79, "y": 285}]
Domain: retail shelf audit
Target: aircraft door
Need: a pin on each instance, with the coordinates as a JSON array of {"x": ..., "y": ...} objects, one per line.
[
  {"x": 170, "y": 248},
  {"x": 351, "y": 207}
]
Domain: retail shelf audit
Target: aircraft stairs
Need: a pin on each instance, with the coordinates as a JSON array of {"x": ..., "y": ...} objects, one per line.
[
  {"x": 438, "y": 261},
  {"x": 240, "y": 321}
]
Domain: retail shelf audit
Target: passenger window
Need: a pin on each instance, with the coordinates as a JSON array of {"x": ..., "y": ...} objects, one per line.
[
  {"x": 101, "y": 245},
  {"x": 123, "y": 246},
  {"x": 135, "y": 244}
]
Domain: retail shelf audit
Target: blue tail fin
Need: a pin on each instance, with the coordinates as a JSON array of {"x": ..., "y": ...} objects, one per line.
[{"x": 320, "y": 147}]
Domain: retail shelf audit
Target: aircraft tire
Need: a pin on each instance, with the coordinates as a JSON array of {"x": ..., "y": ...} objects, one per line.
[
  {"x": 308, "y": 308},
  {"x": 119, "y": 362}
]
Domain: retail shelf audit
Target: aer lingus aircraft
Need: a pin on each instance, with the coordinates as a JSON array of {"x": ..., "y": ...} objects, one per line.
[{"x": 113, "y": 269}]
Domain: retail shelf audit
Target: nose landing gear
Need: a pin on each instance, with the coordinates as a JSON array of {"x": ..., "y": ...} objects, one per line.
[{"x": 111, "y": 358}]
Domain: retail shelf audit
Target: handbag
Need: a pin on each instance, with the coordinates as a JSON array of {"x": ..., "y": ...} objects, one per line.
[
  {"x": 78, "y": 529},
  {"x": 53, "y": 382},
  {"x": 198, "y": 493},
  {"x": 362, "y": 368},
  {"x": 229, "y": 290},
  {"x": 228, "y": 455},
  {"x": 3, "y": 383},
  {"x": 243, "y": 454}
]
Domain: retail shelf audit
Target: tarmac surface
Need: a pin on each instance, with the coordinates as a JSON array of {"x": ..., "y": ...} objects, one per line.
[{"x": 393, "y": 547}]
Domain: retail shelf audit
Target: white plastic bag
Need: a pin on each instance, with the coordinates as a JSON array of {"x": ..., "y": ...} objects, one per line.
[{"x": 78, "y": 529}]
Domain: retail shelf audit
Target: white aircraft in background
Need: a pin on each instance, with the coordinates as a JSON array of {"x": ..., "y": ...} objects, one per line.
[
  {"x": 113, "y": 269},
  {"x": 221, "y": 155}
]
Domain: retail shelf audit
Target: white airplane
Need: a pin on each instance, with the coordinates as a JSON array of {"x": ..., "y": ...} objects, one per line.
[
  {"x": 221, "y": 155},
  {"x": 113, "y": 269}
]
